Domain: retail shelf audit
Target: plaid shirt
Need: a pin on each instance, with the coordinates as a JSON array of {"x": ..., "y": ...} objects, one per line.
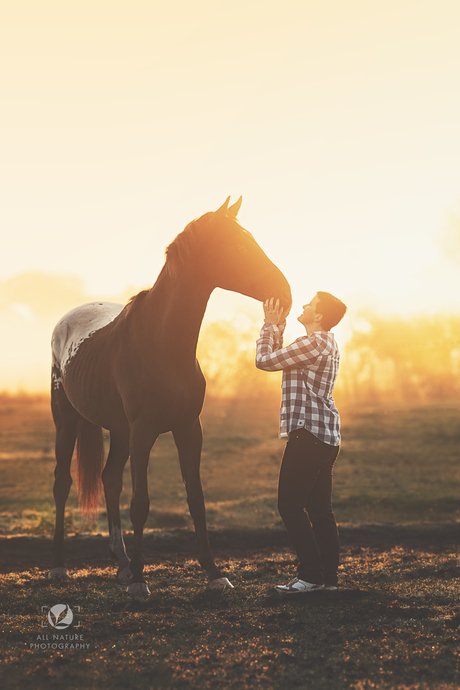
[{"x": 309, "y": 367}]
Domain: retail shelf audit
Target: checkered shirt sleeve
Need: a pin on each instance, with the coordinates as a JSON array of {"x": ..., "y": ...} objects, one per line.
[{"x": 309, "y": 365}]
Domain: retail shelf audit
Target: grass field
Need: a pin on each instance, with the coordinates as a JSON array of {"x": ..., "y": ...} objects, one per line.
[
  {"x": 396, "y": 465},
  {"x": 394, "y": 623}
]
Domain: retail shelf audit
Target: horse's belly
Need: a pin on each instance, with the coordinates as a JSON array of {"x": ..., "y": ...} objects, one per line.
[{"x": 76, "y": 327}]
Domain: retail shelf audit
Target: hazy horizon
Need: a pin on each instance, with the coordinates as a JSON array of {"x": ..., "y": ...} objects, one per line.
[{"x": 337, "y": 123}]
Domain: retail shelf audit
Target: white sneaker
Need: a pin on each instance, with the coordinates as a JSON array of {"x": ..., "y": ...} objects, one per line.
[
  {"x": 297, "y": 586},
  {"x": 330, "y": 588}
]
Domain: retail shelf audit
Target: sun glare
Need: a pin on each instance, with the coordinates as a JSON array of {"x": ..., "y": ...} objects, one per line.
[{"x": 338, "y": 125}]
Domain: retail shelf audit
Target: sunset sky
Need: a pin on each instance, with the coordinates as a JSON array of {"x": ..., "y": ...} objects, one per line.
[{"x": 336, "y": 120}]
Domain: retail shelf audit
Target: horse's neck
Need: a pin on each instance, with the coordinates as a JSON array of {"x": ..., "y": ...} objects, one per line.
[{"x": 176, "y": 307}]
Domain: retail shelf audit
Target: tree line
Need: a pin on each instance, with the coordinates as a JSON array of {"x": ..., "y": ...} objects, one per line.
[{"x": 390, "y": 359}]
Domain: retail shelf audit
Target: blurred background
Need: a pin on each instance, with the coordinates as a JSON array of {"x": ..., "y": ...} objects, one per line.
[{"x": 337, "y": 122}]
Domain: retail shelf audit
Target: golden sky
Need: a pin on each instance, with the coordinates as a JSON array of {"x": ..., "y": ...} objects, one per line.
[{"x": 337, "y": 120}]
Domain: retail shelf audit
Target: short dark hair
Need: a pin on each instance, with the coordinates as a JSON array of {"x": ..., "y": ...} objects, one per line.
[{"x": 331, "y": 308}]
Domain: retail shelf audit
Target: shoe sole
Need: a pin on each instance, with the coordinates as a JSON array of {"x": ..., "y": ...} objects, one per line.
[{"x": 290, "y": 592}]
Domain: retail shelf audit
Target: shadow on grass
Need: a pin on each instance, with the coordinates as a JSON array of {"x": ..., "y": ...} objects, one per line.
[
  {"x": 23, "y": 552},
  {"x": 394, "y": 622}
]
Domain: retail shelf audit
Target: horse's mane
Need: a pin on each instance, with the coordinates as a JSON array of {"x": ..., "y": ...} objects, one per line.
[
  {"x": 185, "y": 244},
  {"x": 177, "y": 254},
  {"x": 136, "y": 300}
]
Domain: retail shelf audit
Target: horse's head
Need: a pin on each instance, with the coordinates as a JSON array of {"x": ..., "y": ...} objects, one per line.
[{"x": 234, "y": 261}]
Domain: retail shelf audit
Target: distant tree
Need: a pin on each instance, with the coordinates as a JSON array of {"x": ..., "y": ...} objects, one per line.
[
  {"x": 227, "y": 357},
  {"x": 404, "y": 359},
  {"x": 390, "y": 359}
]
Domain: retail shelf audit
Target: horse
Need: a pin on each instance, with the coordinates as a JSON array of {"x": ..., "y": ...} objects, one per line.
[{"x": 132, "y": 370}]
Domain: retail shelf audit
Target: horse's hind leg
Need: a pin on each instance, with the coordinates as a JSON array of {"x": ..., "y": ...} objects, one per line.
[
  {"x": 66, "y": 421},
  {"x": 112, "y": 478},
  {"x": 141, "y": 442},
  {"x": 189, "y": 442}
]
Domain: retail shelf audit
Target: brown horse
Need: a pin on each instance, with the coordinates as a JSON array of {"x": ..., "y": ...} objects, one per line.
[{"x": 133, "y": 370}]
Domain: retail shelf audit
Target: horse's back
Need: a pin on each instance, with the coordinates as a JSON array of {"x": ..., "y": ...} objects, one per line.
[{"x": 77, "y": 326}]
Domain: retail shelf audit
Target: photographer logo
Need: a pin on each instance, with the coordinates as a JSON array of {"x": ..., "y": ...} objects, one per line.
[
  {"x": 63, "y": 635},
  {"x": 60, "y": 616}
]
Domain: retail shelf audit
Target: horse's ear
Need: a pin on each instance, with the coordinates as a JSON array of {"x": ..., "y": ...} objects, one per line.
[
  {"x": 223, "y": 209},
  {"x": 233, "y": 210}
]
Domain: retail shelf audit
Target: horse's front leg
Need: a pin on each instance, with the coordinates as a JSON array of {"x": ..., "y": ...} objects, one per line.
[
  {"x": 141, "y": 443},
  {"x": 189, "y": 442}
]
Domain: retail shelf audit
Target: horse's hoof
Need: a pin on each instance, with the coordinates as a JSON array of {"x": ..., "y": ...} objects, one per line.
[
  {"x": 58, "y": 572},
  {"x": 138, "y": 589},
  {"x": 124, "y": 573},
  {"x": 220, "y": 583}
]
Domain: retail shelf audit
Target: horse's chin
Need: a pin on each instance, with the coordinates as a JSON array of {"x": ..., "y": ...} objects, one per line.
[
  {"x": 285, "y": 302},
  {"x": 263, "y": 296}
]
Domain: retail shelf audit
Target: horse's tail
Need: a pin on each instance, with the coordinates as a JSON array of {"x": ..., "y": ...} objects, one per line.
[{"x": 90, "y": 461}]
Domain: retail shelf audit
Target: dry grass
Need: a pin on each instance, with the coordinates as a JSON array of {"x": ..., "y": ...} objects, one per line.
[
  {"x": 393, "y": 625},
  {"x": 397, "y": 464}
]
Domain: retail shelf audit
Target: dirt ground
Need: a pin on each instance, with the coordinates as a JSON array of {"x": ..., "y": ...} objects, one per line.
[{"x": 394, "y": 623}]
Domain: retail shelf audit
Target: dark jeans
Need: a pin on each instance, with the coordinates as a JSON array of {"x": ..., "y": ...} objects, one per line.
[{"x": 305, "y": 484}]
